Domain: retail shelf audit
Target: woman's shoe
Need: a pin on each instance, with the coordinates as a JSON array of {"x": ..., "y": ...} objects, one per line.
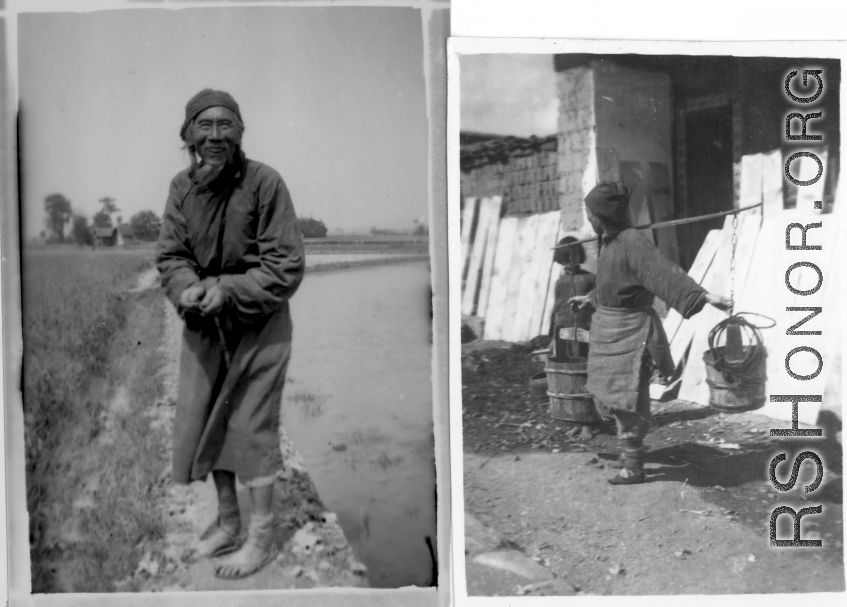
[{"x": 630, "y": 479}]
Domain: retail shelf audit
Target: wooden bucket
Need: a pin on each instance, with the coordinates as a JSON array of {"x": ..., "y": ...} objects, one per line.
[
  {"x": 569, "y": 401},
  {"x": 567, "y": 376},
  {"x": 573, "y": 407},
  {"x": 538, "y": 386},
  {"x": 735, "y": 395}
]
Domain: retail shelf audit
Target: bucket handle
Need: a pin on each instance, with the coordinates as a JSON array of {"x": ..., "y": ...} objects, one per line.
[{"x": 770, "y": 326}]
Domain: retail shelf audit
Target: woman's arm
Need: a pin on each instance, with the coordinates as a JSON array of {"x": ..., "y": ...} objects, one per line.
[{"x": 665, "y": 279}]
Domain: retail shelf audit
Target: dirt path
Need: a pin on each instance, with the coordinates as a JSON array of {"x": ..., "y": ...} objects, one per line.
[
  {"x": 656, "y": 538},
  {"x": 541, "y": 518},
  {"x": 313, "y": 549}
]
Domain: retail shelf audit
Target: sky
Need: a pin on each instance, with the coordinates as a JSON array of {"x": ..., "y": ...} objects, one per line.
[
  {"x": 508, "y": 94},
  {"x": 332, "y": 98}
]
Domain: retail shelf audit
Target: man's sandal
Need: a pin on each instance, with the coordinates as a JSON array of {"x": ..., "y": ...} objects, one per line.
[
  {"x": 219, "y": 539},
  {"x": 258, "y": 536},
  {"x": 238, "y": 571}
]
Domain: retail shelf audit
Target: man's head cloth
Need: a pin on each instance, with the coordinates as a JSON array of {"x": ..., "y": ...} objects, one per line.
[
  {"x": 609, "y": 201},
  {"x": 204, "y": 100}
]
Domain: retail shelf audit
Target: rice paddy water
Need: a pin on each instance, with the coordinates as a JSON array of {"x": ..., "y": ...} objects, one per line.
[{"x": 358, "y": 407}]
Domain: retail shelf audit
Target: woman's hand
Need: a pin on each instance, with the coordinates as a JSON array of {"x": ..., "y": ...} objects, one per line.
[
  {"x": 212, "y": 302},
  {"x": 578, "y": 302},
  {"x": 721, "y": 303},
  {"x": 190, "y": 298}
]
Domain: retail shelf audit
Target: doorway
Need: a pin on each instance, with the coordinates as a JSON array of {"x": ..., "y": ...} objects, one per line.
[{"x": 708, "y": 175}]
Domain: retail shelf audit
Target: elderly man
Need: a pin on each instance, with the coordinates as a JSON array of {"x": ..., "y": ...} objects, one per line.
[
  {"x": 626, "y": 333},
  {"x": 230, "y": 255}
]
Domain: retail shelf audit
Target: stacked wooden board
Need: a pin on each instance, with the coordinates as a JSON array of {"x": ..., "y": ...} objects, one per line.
[
  {"x": 510, "y": 279},
  {"x": 761, "y": 260},
  {"x": 484, "y": 240},
  {"x": 510, "y": 271}
]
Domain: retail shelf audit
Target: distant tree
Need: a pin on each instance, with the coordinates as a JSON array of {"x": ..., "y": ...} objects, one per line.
[
  {"x": 102, "y": 219},
  {"x": 80, "y": 231},
  {"x": 421, "y": 228},
  {"x": 146, "y": 225},
  {"x": 312, "y": 228},
  {"x": 58, "y": 214},
  {"x": 109, "y": 206}
]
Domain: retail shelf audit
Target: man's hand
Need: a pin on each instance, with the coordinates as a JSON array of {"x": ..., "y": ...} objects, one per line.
[
  {"x": 578, "y": 302},
  {"x": 721, "y": 303},
  {"x": 190, "y": 298},
  {"x": 212, "y": 302}
]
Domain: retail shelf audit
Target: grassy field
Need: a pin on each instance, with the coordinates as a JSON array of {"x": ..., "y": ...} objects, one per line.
[{"x": 92, "y": 462}]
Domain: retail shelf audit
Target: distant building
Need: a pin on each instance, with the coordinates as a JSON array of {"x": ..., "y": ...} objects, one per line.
[
  {"x": 524, "y": 171},
  {"x": 673, "y": 128},
  {"x": 120, "y": 236},
  {"x": 127, "y": 234},
  {"x": 105, "y": 237}
]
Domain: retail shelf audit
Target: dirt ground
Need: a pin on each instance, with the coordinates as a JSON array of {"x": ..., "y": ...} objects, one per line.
[{"x": 534, "y": 495}]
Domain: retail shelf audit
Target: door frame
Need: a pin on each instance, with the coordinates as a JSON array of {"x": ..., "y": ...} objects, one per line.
[{"x": 680, "y": 157}]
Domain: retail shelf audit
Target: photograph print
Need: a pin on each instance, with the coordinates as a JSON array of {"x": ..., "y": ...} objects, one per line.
[
  {"x": 226, "y": 302},
  {"x": 651, "y": 337}
]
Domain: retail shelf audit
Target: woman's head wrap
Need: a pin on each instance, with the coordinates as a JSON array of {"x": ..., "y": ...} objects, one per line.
[
  {"x": 564, "y": 255},
  {"x": 204, "y": 100},
  {"x": 609, "y": 201}
]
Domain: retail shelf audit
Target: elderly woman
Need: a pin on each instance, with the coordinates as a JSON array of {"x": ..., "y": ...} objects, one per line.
[
  {"x": 626, "y": 333},
  {"x": 230, "y": 255}
]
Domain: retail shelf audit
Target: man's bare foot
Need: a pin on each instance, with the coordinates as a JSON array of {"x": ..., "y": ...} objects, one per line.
[
  {"x": 586, "y": 434},
  {"x": 256, "y": 552}
]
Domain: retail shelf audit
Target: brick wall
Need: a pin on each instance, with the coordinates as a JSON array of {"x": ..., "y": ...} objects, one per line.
[
  {"x": 577, "y": 159},
  {"x": 523, "y": 171},
  {"x": 532, "y": 183}
]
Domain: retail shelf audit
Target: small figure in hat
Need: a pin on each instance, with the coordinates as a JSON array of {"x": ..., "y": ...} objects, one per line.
[
  {"x": 566, "y": 319},
  {"x": 569, "y": 324}
]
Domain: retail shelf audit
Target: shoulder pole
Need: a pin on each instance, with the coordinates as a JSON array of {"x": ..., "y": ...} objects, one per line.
[{"x": 671, "y": 223}]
